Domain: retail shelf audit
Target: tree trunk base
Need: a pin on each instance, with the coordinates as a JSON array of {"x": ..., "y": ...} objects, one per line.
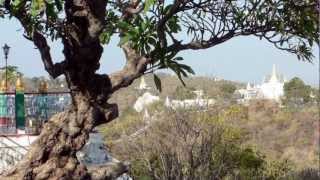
[{"x": 53, "y": 154}]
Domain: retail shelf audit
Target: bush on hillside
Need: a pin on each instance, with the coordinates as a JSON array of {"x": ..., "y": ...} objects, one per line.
[{"x": 195, "y": 145}]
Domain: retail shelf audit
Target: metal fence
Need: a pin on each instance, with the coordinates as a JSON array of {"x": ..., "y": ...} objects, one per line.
[{"x": 38, "y": 108}]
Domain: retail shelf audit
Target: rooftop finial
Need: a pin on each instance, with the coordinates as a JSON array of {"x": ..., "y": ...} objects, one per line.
[
  {"x": 248, "y": 86},
  {"x": 3, "y": 86},
  {"x": 19, "y": 84},
  {"x": 274, "y": 77},
  {"x": 143, "y": 85},
  {"x": 43, "y": 86}
]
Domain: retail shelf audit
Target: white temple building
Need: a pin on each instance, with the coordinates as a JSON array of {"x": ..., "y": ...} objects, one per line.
[
  {"x": 271, "y": 88},
  {"x": 143, "y": 85},
  {"x": 143, "y": 101},
  {"x": 198, "y": 102},
  {"x": 147, "y": 99}
]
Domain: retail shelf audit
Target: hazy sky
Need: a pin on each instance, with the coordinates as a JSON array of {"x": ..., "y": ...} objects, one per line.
[{"x": 241, "y": 59}]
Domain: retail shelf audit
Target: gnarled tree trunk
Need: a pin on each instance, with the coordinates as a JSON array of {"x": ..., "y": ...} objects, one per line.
[{"x": 53, "y": 155}]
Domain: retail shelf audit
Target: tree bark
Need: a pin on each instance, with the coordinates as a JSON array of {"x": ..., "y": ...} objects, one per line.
[{"x": 53, "y": 154}]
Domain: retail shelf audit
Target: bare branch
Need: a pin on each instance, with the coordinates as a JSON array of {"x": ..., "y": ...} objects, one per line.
[
  {"x": 39, "y": 41},
  {"x": 130, "y": 9},
  {"x": 54, "y": 70},
  {"x": 135, "y": 67}
]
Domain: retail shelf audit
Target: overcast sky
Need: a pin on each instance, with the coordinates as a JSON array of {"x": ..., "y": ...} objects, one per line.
[{"x": 245, "y": 59}]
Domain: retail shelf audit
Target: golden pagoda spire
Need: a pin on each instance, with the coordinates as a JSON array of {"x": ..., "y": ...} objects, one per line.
[
  {"x": 19, "y": 84},
  {"x": 43, "y": 86},
  {"x": 3, "y": 86}
]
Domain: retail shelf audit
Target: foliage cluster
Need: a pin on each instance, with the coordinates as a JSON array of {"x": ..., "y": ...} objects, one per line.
[
  {"x": 183, "y": 92},
  {"x": 270, "y": 134},
  {"x": 297, "y": 92},
  {"x": 196, "y": 145}
]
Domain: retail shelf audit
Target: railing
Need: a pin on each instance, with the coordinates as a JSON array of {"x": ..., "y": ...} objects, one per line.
[
  {"x": 28, "y": 111},
  {"x": 10, "y": 155},
  {"x": 13, "y": 142}
]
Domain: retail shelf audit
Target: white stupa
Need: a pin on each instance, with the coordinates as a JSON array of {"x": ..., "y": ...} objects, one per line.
[
  {"x": 143, "y": 85},
  {"x": 143, "y": 101},
  {"x": 146, "y": 98},
  {"x": 273, "y": 87}
]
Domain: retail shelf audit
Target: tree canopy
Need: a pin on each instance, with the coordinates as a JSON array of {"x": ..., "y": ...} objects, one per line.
[
  {"x": 12, "y": 72},
  {"x": 158, "y": 30},
  {"x": 296, "y": 91},
  {"x": 227, "y": 89},
  {"x": 183, "y": 92},
  {"x": 151, "y": 34}
]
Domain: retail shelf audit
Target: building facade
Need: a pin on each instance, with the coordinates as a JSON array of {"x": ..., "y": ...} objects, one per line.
[{"x": 271, "y": 88}]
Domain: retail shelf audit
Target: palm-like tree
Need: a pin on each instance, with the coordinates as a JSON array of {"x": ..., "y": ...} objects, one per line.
[{"x": 12, "y": 73}]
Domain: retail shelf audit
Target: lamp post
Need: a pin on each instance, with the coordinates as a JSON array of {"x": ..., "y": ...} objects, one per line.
[{"x": 6, "y": 49}]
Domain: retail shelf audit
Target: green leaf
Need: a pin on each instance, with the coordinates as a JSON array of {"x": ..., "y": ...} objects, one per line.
[
  {"x": 181, "y": 80},
  {"x": 157, "y": 81},
  {"x": 37, "y": 6},
  {"x": 173, "y": 24},
  {"x": 187, "y": 68},
  {"x": 58, "y": 4},
  {"x": 16, "y": 5},
  {"x": 310, "y": 42},
  {"x": 50, "y": 11},
  {"x": 123, "y": 25},
  {"x": 148, "y": 4},
  {"x": 124, "y": 40},
  {"x": 178, "y": 58},
  {"x": 167, "y": 8},
  {"x": 105, "y": 37}
]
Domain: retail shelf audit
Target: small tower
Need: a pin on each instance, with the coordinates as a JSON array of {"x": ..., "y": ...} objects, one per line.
[
  {"x": 19, "y": 104},
  {"x": 274, "y": 77},
  {"x": 167, "y": 103},
  {"x": 3, "y": 86},
  {"x": 146, "y": 117},
  {"x": 43, "y": 87},
  {"x": 143, "y": 85},
  {"x": 248, "y": 86},
  {"x": 42, "y": 102},
  {"x": 19, "y": 84},
  {"x": 4, "y": 120}
]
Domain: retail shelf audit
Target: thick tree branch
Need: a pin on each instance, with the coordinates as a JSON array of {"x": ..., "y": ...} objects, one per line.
[
  {"x": 39, "y": 41},
  {"x": 135, "y": 67},
  {"x": 203, "y": 44},
  {"x": 130, "y": 9},
  {"x": 54, "y": 70},
  {"x": 96, "y": 17},
  {"x": 163, "y": 20},
  {"x": 133, "y": 11},
  {"x": 172, "y": 11}
]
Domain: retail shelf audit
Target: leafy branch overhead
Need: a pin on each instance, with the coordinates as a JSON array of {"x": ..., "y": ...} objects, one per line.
[
  {"x": 151, "y": 35},
  {"x": 159, "y": 30}
]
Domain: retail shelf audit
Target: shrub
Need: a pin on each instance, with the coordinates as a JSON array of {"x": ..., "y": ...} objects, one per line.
[{"x": 192, "y": 145}]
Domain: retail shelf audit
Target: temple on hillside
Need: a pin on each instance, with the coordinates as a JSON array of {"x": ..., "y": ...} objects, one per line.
[
  {"x": 146, "y": 98},
  {"x": 143, "y": 85},
  {"x": 271, "y": 88}
]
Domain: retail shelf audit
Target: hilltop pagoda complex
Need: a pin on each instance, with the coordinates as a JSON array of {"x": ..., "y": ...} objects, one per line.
[{"x": 271, "y": 88}]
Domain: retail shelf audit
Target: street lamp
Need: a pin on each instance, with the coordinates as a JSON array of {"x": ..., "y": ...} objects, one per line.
[{"x": 6, "y": 49}]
